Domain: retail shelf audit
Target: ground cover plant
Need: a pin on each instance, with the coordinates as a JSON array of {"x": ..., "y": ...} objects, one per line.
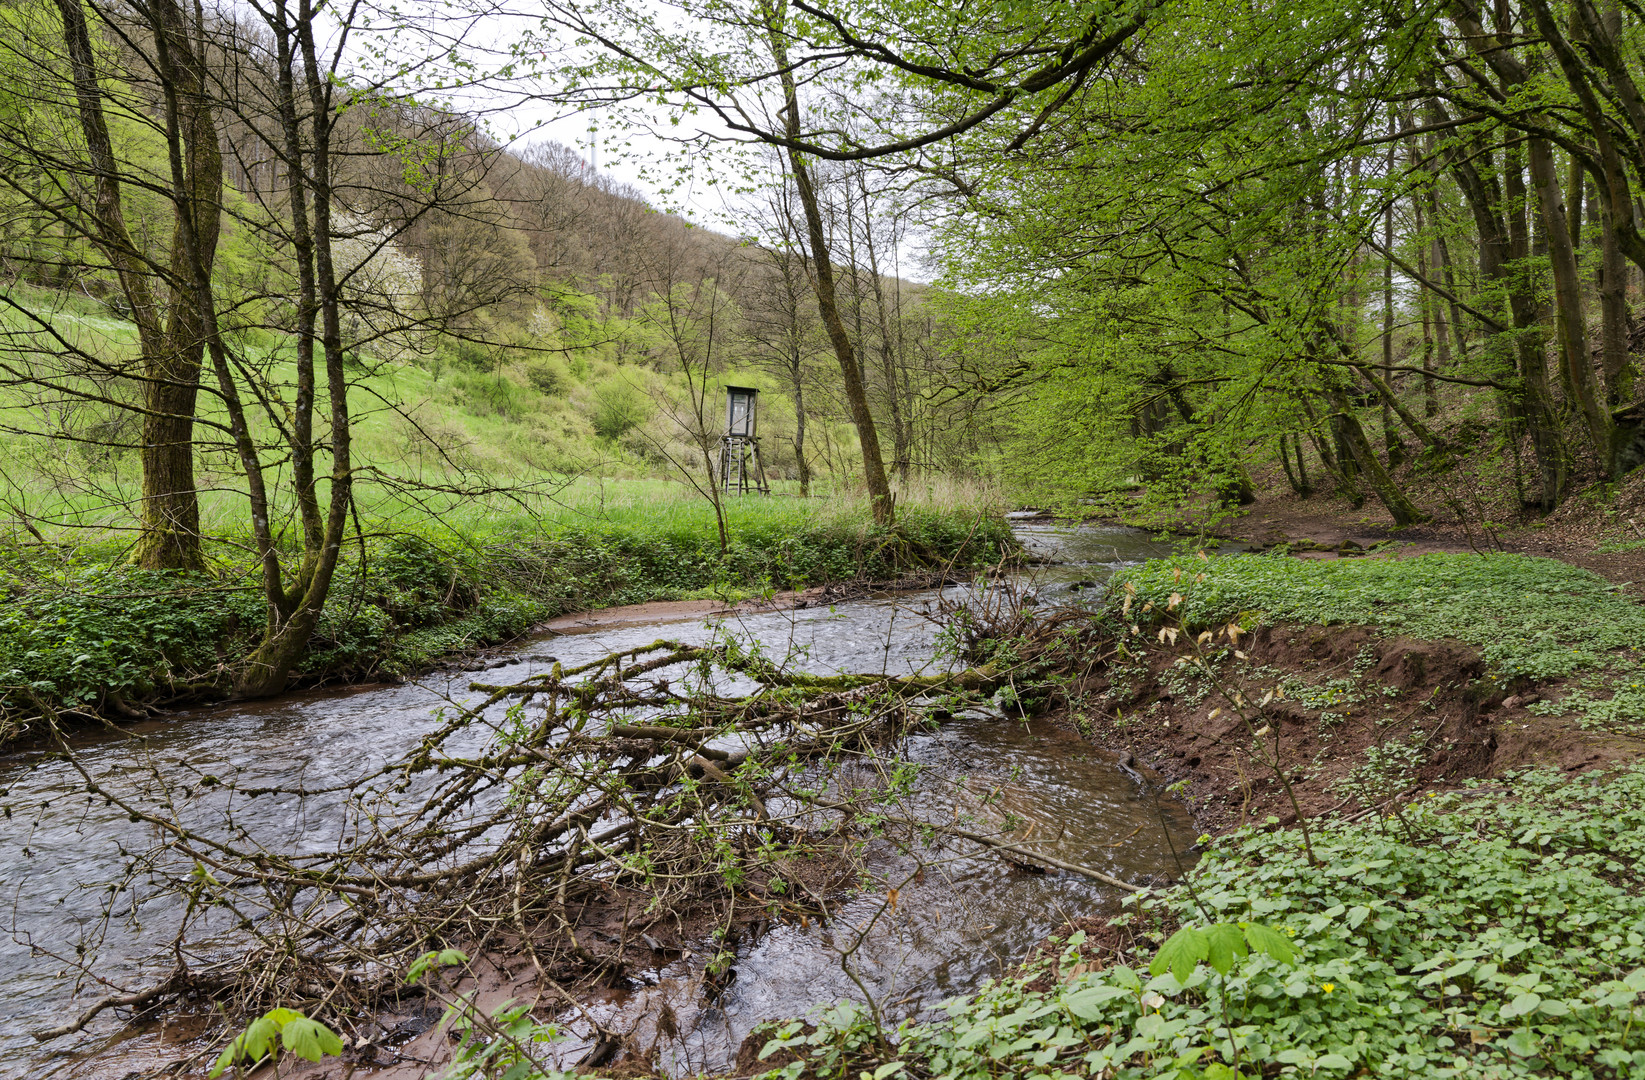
[
  {"x": 1495, "y": 932},
  {"x": 1533, "y": 619}
]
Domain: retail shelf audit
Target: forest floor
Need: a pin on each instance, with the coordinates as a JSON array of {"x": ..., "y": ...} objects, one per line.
[{"x": 1601, "y": 529}]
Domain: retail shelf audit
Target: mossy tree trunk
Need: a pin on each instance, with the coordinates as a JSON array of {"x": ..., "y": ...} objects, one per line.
[{"x": 171, "y": 337}]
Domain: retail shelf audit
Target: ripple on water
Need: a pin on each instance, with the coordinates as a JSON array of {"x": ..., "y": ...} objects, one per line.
[{"x": 960, "y": 922}]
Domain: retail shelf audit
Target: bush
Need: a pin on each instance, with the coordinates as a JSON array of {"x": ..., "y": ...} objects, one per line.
[
  {"x": 491, "y": 395},
  {"x": 115, "y": 630},
  {"x": 67, "y": 637},
  {"x": 618, "y": 408},
  {"x": 548, "y": 375}
]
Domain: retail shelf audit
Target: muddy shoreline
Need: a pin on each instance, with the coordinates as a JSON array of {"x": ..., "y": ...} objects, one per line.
[{"x": 1391, "y": 688}]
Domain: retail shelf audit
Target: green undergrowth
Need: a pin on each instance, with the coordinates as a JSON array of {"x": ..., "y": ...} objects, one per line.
[
  {"x": 77, "y": 628},
  {"x": 1533, "y": 619},
  {"x": 1486, "y": 934}
]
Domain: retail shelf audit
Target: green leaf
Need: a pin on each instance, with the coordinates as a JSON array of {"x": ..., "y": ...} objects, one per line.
[
  {"x": 258, "y": 1039},
  {"x": 1265, "y": 939},
  {"x": 1084, "y": 1003},
  {"x": 1333, "y": 1061},
  {"x": 310, "y": 1039},
  {"x": 1523, "y": 1043},
  {"x": 1180, "y": 954},
  {"x": 251, "y": 1045},
  {"x": 1224, "y": 942},
  {"x": 224, "y": 1060},
  {"x": 1521, "y": 1005}
]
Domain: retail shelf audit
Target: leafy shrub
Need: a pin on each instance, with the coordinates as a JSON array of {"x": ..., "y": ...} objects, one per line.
[
  {"x": 117, "y": 630},
  {"x": 275, "y": 1030},
  {"x": 491, "y": 395},
  {"x": 548, "y": 375},
  {"x": 618, "y": 408},
  {"x": 70, "y": 636}
]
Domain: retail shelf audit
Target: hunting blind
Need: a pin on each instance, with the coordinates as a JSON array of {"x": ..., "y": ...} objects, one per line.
[{"x": 741, "y": 469}]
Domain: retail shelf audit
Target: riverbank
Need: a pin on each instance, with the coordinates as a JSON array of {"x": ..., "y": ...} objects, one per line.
[
  {"x": 85, "y": 636},
  {"x": 1488, "y": 933},
  {"x": 1461, "y": 739},
  {"x": 1387, "y": 666},
  {"x": 1601, "y": 529},
  {"x": 1379, "y": 678}
]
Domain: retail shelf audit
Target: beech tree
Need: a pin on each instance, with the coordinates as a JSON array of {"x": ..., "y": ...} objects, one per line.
[{"x": 1223, "y": 243}]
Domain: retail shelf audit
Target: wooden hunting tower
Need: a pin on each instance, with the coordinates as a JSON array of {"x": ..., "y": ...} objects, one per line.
[{"x": 741, "y": 469}]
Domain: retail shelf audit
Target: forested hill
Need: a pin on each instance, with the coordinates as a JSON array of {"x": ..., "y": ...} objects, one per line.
[{"x": 514, "y": 312}]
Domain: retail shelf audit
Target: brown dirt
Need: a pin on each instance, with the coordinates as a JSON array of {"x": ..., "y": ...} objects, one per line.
[
  {"x": 1399, "y": 690},
  {"x": 581, "y": 622}
]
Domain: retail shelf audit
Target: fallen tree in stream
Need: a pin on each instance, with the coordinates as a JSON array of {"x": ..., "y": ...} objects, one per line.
[{"x": 586, "y": 818}]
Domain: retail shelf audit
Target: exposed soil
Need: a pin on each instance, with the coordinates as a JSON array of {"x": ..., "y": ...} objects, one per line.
[
  {"x": 581, "y": 622},
  {"x": 1390, "y": 692}
]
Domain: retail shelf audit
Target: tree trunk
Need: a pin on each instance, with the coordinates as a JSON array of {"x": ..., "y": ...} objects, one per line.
[
  {"x": 1392, "y": 445},
  {"x": 1569, "y": 319},
  {"x": 804, "y": 467},
  {"x": 1620, "y": 371},
  {"x": 170, "y": 355},
  {"x": 1388, "y": 492},
  {"x": 294, "y": 612},
  {"x": 879, "y": 487}
]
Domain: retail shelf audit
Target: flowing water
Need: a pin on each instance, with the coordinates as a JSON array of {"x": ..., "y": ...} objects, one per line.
[{"x": 952, "y": 926}]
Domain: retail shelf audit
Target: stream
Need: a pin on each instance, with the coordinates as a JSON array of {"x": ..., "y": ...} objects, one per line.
[{"x": 950, "y": 928}]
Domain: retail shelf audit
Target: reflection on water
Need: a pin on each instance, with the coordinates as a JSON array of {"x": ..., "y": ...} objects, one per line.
[
  {"x": 962, "y": 920},
  {"x": 957, "y": 920}
]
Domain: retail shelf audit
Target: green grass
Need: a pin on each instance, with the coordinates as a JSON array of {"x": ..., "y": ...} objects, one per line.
[
  {"x": 484, "y": 503},
  {"x": 1485, "y": 935}
]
